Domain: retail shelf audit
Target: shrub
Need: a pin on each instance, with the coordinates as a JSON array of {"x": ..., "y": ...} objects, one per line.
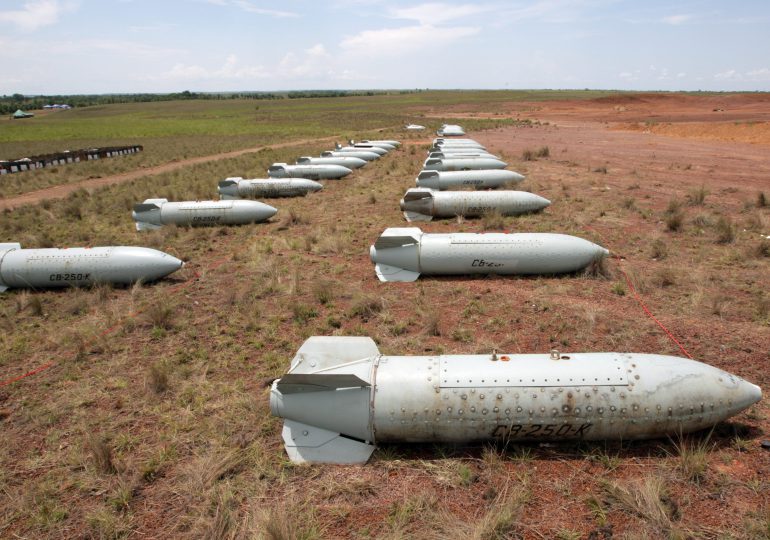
[
  {"x": 725, "y": 231},
  {"x": 543, "y": 152},
  {"x": 697, "y": 197}
]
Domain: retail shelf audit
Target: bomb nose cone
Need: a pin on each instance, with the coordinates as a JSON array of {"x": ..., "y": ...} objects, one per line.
[
  {"x": 373, "y": 254},
  {"x": 402, "y": 205},
  {"x": 520, "y": 177},
  {"x": 750, "y": 393}
]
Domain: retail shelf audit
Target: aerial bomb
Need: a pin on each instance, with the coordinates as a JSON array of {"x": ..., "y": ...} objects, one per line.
[
  {"x": 346, "y": 161},
  {"x": 154, "y": 213},
  {"x": 360, "y": 154},
  {"x": 376, "y": 144},
  {"x": 463, "y": 164},
  {"x": 414, "y": 127},
  {"x": 391, "y": 142},
  {"x": 54, "y": 267},
  {"x": 459, "y": 154},
  {"x": 361, "y": 148},
  {"x": 450, "y": 130},
  {"x": 341, "y": 397},
  {"x": 442, "y": 140},
  {"x": 421, "y": 204},
  {"x": 480, "y": 179},
  {"x": 268, "y": 188},
  {"x": 403, "y": 253},
  {"x": 310, "y": 171}
]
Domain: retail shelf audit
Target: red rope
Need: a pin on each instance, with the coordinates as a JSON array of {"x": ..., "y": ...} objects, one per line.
[{"x": 648, "y": 312}]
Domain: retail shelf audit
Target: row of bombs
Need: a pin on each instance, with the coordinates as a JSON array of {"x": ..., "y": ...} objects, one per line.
[
  {"x": 122, "y": 265},
  {"x": 404, "y": 253},
  {"x": 341, "y": 397}
]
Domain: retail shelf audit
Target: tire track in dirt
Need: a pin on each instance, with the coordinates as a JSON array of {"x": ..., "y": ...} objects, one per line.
[{"x": 61, "y": 191}]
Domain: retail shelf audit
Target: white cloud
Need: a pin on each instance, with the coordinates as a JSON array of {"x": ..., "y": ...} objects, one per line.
[
  {"x": 230, "y": 70},
  {"x": 437, "y": 13},
  {"x": 250, "y": 7},
  {"x": 429, "y": 32},
  {"x": 397, "y": 41},
  {"x": 730, "y": 74},
  {"x": 36, "y": 14},
  {"x": 678, "y": 19},
  {"x": 762, "y": 74}
]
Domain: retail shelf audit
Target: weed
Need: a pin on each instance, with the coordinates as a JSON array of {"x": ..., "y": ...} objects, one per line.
[
  {"x": 101, "y": 453},
  {"x": 157, "y": 378},
  {"x": 693, "y": 457},
  {"x": 323, "y": 291},
  {"x": 602, "y": 169},
  {"x": 674, "y": 216},
  {"x": 302, "y": 313},
  {"x": 646, "y": 497},
  {"x": 629, "y": 203},
  {"x": 492, "y": 220},
  {"x": 290, "y": 219},
  {"x": 291, "y": 520},
  {"x": 372, "y": 197},
  {"x": 762, "y": 249},
  {"x": 528, "y": 155},
  {"x": 658, "y": 249},
  {"x": 160, "y": 315},
  {"x": 367, "y": 307},
  {"x": 618, "y": 288},
  {"x": 664, "y": 277},
  {"x": 543, "y": 152},
  {"x": 725, "y": 230},
  {"x": 432, "y": 323},
  {"x": 598, "y": 269},
  {"x": 719, "y": 304},
  {"x": 697, "y": 197},
  {"x": 762, "y": 200},
  {"x": 463, "y": 335}
]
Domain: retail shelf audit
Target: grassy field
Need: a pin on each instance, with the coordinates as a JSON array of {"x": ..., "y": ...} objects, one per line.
[
  {"x": 153, "y": 420},
  {"x": 172, "y": 131}
]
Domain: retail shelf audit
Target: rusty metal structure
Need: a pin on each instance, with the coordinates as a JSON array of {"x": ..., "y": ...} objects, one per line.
[{"x": 68, "y": 156}]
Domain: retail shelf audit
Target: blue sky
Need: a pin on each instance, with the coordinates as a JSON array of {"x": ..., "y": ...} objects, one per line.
[{"x": 102, "y": 46}]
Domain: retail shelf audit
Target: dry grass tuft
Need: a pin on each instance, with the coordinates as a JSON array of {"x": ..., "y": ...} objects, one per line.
[
  {"x": 366, "y": 307},
  {"x": 664, "y": 277},
  {"x": 658, "y": 249},
  {"x": 646, "y": 497},
  {"x": 432, "y": 323},
  {"x": 492, "y": 220},
  {"x": 697, "y": 196},
  {"x": 290, "y": 519},
  {"x": 101, "y": 453},
  {"x": 761, "y": 200},
  {"x": 674, "y": 216},
  {"x": 160, "y": 315},
  {"x": 725, "y": 230},
  {"x": 693, "y": 456},
  {"x": 598, "y": 269},
  {"x": 157, "y": 378}
]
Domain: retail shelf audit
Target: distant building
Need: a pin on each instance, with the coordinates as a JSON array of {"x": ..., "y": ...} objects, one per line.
[{"x": 21, "y": 114}]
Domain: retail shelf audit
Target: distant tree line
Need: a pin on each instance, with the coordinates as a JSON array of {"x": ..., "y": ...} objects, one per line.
[{"x": 10, "y": 104}]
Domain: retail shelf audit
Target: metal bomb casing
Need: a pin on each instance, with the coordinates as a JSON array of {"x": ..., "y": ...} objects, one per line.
[
  {"x": 341, "y": 396},
  {"x": 377, "y": 144},
  {"x": 362, "y": 148},
  {"x": 480, "y": 179},
  {"x": 391, "y": 142},
  {"x": 361, "y": 154},
  {"x": 237, "y": 187},
  {"x": 346, "y": 161},
  {"x": 463, "y": 164},
  {"x": 422, "y": 204},
  {"x": 154, "y": 213},
  {"x": 403, "y": 253},
  {"x": 311, "y": 171},
  {"x": 54, "y": 267},
  {"x": 450, "y": 130},
  {"x": 457, "y": 154}
]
